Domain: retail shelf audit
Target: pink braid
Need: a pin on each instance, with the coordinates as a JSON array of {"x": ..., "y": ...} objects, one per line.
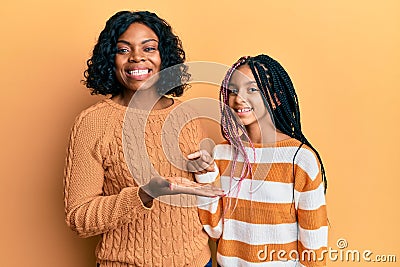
[{"x": 230, "y": 130}]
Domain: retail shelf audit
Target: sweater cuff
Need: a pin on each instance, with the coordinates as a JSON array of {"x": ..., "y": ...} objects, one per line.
[
  {"x": 137, "y": 203},
  {"x": 208, "y": 177}
]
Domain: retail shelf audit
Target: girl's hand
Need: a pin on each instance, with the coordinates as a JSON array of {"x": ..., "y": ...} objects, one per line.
[
  {"x": 200, "y": 162},
  {"x": 159, "y": 186}
]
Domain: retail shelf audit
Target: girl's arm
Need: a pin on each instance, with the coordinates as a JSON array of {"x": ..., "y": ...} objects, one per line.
[
  {"x": 210, "y": 213},
  {"x": 311, "y": 211},
  {"x": 210, "y": 209}
]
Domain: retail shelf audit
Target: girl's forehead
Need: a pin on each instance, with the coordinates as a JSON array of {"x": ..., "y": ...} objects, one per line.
[{"x": 242, "y": 74}]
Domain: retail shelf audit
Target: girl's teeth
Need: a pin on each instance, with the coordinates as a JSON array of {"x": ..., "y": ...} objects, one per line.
[
  {"x": 138, "y": 72},
  {"x": 244, "y": 110}
]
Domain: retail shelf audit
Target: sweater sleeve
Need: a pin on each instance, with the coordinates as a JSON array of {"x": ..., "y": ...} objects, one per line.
[
  {"x": 311, "y": 209},
  {"x": 210, "y": 209},
  {"x": 208, "y": 177},
  {"x": 88, "y": 211}
]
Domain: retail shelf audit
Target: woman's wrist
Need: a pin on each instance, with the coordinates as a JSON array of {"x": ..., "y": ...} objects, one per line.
[{"x": 146, "y": 199}]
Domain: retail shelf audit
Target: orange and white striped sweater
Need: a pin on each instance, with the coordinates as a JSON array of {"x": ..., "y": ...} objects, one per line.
[{"x": 276, "y": 219}]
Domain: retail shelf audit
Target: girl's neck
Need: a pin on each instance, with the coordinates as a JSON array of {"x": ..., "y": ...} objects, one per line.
[
  {"x": 265, "y": 135},
  {"x": 145, "y": 100}
]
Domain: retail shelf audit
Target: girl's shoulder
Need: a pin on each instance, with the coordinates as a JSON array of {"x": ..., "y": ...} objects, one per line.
[
  {"x": 294, "y": 147},
  {"x": 305, "y": 158}
]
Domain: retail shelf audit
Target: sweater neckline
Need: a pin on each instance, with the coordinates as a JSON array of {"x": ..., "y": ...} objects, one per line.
[
  {"x": 280, "y": 143},
  {"x": 285, "y": 142},
  {"x": 140, "y": 111}
]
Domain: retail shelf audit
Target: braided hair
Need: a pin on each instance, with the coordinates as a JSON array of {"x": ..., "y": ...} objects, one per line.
[{"x": 279, "y": 97}]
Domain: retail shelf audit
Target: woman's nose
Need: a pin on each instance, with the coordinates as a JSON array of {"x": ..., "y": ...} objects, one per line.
[{"x": 136, "y": 56}]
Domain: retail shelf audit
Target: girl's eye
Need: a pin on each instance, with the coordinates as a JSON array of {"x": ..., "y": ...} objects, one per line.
[
  {"x": 253, "y": 89},
  {"x": 122, "y": 50},
  {"x": 233, "y": 91}
]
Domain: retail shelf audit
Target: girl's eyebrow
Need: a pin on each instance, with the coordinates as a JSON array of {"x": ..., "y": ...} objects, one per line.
[
  {"x": 143, "y": 42},
  {"x": 247, "y": 83}
]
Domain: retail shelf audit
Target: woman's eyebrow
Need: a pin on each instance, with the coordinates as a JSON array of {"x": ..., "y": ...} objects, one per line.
[
  {"x": 124, "y": 42},
  {"x": 149, "y": 40},
  {"x": 143, "y": 42}
]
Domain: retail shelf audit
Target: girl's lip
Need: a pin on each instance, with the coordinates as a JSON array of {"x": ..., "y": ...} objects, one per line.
[{"x": 243, "y": 111}]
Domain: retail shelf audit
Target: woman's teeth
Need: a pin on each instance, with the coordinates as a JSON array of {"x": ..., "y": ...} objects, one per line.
[{"x": 138, "y": 72}]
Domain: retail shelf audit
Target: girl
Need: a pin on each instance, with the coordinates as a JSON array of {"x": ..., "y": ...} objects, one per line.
[
  {"x": 102, "y": 192},
  {"x": 274, "y": 212}
]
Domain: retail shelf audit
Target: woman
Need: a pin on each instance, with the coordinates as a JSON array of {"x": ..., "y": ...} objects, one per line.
[{"x": 111, "y": 194}]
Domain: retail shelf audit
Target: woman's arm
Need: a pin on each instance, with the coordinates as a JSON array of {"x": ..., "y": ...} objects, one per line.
[{"x": 88, "y": 211}]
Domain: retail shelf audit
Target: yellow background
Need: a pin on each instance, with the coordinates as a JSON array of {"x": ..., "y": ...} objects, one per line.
[{"x": 343, "y": 57}]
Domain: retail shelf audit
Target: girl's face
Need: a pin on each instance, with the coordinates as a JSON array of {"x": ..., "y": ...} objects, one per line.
[
  {"x": 138, "y": 58},
  {"x": 245, "y": 98}
]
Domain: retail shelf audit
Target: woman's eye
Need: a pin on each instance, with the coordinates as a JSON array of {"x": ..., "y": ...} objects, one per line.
[
  {"x": 149, "y": 49},
  {"x": 122, "y": 50}
]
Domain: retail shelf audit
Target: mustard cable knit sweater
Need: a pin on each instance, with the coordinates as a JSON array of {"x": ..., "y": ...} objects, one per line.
[{"x": 102, "y": 173}]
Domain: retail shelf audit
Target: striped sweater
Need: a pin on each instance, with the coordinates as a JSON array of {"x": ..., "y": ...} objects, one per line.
[{"x": 276, "y": 219}]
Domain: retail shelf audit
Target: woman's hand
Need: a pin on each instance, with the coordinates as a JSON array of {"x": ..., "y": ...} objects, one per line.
[
  {"x": 159, "y": 186},
  {"x": 200, "y": 162}
]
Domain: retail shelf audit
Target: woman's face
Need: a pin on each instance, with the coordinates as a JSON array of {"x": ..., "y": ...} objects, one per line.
[
  {"x": 245, "y": 97},
  {"x": 138, "y": 60}
]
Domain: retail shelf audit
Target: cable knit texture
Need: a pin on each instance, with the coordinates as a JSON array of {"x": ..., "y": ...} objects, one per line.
[{"x": 104, "y": 168}]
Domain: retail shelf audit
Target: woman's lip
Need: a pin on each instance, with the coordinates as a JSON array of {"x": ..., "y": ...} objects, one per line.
[
  {"x": 138, "y": 74},
  {"x": 137, "y": 68}
]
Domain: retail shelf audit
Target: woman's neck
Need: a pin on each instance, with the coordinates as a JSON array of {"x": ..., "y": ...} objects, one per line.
[{"x": 144, "y": 100}]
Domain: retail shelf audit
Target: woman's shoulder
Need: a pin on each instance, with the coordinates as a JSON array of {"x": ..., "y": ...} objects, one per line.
[
  {"x": 95, "y": 115},
  {"x": 183, "y": 107}
]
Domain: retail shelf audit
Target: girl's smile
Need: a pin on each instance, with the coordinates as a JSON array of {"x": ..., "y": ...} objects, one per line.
[
  {"x": 241, "y": 112},
  {"x": 245, "y": 97}
]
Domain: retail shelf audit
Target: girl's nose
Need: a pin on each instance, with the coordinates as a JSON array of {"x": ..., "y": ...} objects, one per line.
[{"x": 240, "y": 97}]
